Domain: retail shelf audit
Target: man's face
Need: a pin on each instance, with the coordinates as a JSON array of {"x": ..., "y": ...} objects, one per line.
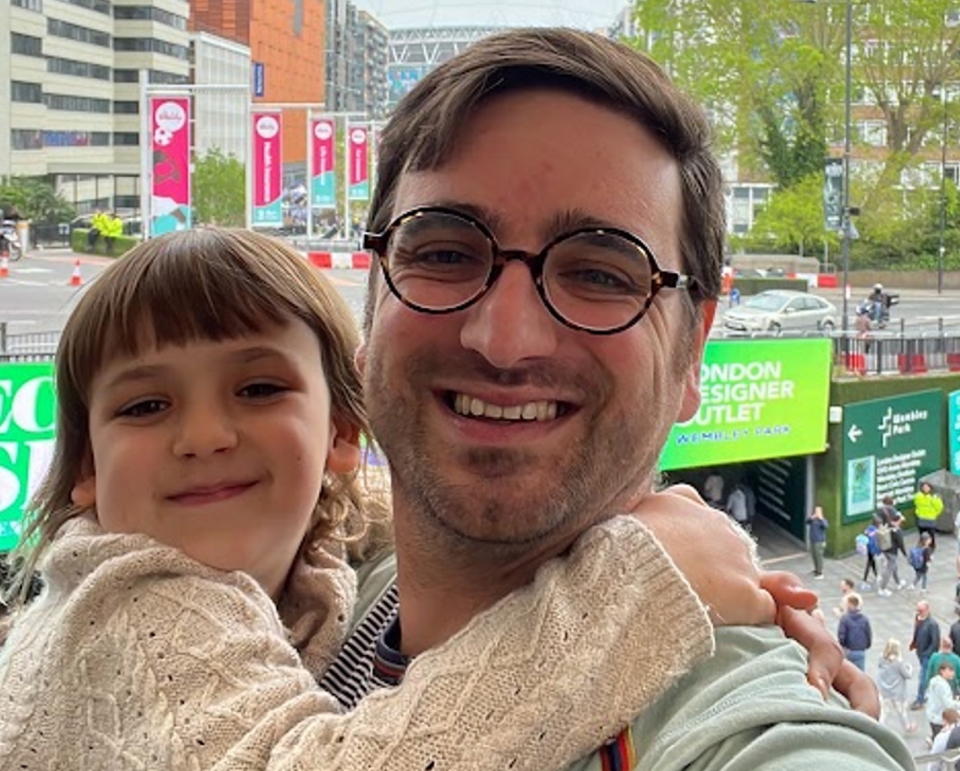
[{"x": 532, "y": 165}]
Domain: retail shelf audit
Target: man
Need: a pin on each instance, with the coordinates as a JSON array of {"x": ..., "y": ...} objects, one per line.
[
  {"x": 927, "y": 507},
  {"x": 890, "y": 540},
  {"x": 549, "y": 229},
  {"x": 926, "y": 640},
  {"x": 817, "y": 528},
  {"x": 945, "y": 655},
  {"x": 713, "y": 490},
  {"x": 854, "y": 633}
]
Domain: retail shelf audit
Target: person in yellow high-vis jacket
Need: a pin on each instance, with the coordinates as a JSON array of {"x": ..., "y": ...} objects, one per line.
[{"x": 927, "y": 506}]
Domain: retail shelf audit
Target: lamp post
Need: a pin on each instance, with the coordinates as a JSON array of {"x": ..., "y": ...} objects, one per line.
[{"x": 943, "y": 191}]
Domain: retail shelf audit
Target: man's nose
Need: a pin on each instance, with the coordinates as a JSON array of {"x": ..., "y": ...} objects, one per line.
[
  {"x": 203, "y": 431},
  {"x": 511, "y": 323}
]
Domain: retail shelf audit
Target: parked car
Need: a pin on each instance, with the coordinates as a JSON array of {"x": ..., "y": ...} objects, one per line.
[{"x": 779, "y": 310}]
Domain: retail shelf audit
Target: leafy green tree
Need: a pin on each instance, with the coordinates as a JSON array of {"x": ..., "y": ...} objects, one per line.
[
  {"x": 219, "y": 189},
  {"x": 35, "y": 199},
  {"x": 792, "y": 220}
]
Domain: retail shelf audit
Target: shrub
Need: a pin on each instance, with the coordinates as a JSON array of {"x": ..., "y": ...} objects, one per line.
[{"x": 121, "y": 244}]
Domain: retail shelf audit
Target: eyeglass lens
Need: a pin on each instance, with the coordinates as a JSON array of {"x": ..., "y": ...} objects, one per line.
[{"x": 594, "y": 279}]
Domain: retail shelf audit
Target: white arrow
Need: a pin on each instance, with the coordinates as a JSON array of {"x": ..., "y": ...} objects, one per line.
[{"x": 854, "y": 433}]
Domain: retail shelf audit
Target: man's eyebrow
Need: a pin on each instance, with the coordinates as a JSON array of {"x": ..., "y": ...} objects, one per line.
[
  {"x": 481, "y": 213},
  {"x": 561, "y": 222}
]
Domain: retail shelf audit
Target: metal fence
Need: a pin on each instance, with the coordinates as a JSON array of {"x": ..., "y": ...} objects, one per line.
[
  {"x": 896, "y": 355},
  {"x": 30, "y": 344}
]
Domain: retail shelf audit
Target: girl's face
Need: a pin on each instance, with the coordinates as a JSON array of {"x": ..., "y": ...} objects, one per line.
[{"x": 217, "y": 448}]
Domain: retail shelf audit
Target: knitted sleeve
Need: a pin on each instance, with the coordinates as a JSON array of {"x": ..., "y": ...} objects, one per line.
[{"x": 183, "y": 667}]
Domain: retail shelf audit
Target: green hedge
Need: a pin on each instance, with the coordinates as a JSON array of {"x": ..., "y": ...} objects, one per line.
[
  {"x": 121, "y": 244},
  {"x": 755, "y": 285}
]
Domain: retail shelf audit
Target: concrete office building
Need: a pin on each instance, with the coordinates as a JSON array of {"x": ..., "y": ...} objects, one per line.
[
  {"x": 357, "y": 55},
  {"x": 69, "y": 71}
]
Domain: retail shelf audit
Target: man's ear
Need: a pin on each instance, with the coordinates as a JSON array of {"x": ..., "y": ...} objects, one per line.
[
  {"x": 343, "y": 451},
  {"x": 691, "y": 378}
]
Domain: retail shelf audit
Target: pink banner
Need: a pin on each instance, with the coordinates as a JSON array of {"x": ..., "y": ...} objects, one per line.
[
  {"x": 322, "y": 186},
  {"x": 267, "y": 168},
  {"x": 359, "y": 172},
  {"x": 170, "y": 207}
]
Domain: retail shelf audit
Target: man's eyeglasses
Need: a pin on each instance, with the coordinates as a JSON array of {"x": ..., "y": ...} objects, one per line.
[{"x": 597, "y": 280}]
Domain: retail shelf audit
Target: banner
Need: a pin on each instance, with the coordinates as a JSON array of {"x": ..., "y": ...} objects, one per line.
[
  {"x": 267, "y": 169},
  {"x": 170, "y": 167},
  {"x": 833, "y": 194},
  {"x": 323, "y": 190},
  {"x": 953, "y": 430},
  {"x": 888, "y": 445},
  {"x": 357, "y": 163},
  {"x": 27, "y": 415},
  {"x": 759, "y": 399}
]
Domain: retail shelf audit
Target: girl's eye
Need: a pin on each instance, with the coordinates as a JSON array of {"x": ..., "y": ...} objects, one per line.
[
  {"x": 261, "y": 390},
  {"x": 143, "y": 408}
]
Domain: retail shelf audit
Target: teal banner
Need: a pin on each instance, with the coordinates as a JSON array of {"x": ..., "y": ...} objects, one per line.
[
  {"x": 324, "y": 191},
  {"x": 27, "y": 416},
  {"x": 953, "y": 430}
]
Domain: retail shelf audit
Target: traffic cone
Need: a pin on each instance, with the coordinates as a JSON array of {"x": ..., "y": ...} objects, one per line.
[
  {"x": 76, "y": 279},
  {"x": 4, "y": 267}
]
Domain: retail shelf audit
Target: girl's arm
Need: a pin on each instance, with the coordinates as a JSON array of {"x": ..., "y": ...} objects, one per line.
[{"x": 154, "y": 661}]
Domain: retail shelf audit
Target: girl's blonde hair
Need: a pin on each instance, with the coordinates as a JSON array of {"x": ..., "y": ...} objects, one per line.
[
  {"x": 892, "y": 649},
  {"x": 201, "y": 284}
]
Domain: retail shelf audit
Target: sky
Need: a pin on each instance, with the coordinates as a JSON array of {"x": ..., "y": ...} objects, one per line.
[{"x": 586, "y": 14}]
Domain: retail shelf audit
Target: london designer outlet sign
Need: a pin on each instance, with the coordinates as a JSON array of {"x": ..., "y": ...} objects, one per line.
[{"x": 27, "y": 416}]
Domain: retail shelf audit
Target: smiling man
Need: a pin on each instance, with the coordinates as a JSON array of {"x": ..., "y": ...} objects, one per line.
[{"x": 549, "y": 232}]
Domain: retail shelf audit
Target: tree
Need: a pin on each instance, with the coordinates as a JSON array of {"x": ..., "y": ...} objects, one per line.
[
  {"x": 793, "y": 218},
  {"x": 219, "y": 189},
  {"x": 35, "y": 199}
]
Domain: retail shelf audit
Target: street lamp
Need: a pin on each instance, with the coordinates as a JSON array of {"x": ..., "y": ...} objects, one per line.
[{"x": 845, "y": 225}]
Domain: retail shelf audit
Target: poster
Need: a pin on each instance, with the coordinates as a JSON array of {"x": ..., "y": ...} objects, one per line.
[
  {"x": 170, "y": 205},
  {"x": 27, "y": 417},
  {"x": 357, "y": 162},
  {"x": 267, "y": 169},
  {"x": 322, "y": 184},
  {"x": 953, "y": 430},
  {"x": 833, "y": 194}
]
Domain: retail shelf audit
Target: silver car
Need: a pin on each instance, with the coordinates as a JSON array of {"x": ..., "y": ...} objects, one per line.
[{"x": 781, "y": 310}]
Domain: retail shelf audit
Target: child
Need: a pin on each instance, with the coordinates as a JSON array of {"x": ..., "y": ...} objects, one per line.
[
  {"x": 920, "y": 556},
  {"x": 939, "y": 697},
  {"x": 191, "y": 536},
  {"x": 892, "y": 676}
]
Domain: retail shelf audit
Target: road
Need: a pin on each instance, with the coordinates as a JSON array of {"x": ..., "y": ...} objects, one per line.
[{"x": 37, "y": 296}]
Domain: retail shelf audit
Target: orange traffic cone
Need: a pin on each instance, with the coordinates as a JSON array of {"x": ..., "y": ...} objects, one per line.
[
  {"x": 76, "y": 279},
  {"x": 4, "y": 267}
]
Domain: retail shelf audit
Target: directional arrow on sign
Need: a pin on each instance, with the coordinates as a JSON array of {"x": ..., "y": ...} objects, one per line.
[{"x": 854, "y": 433}]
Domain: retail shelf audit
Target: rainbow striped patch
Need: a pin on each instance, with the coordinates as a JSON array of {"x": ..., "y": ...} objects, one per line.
[{"x": 619, "y": 753}]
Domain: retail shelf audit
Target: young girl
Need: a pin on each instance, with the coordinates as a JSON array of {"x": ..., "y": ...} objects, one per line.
[
  {"x": 892, "y": 676},
  {"x": 920, "y": 556},
  {"x": 191, "y": 535}
]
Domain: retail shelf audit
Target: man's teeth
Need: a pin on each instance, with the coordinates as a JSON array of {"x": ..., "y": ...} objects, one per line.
[{"x": 470, "y": 405}]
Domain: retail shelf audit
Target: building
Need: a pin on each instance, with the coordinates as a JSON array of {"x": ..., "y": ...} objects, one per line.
[
  {"x": 69, "y": 71},
  {"x": 220, "y": 116},
  {"x": 416, "y": 51},
  {"x": 357, "y": 53}
]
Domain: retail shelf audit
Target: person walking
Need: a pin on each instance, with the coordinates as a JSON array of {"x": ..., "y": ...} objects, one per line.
[
  {"x": 955, "y": 632},
  {"x": 926, "y": 640},
  {"x": 946, "y": 654},
  {"x": 927, "y": 506},
  {"x": 940, "y": 697},
  {"x": 737, "y": 506},
  {"x": 854, "y": 633},
  {"x": 920, "y": 556},
  {"x": 892, "y": 676},
  {"x": 951, "y": 719},
  {"x": 890, "y": 540},
  {"x": 817, "y": 529},
  {"x": 871, "y": 549}
]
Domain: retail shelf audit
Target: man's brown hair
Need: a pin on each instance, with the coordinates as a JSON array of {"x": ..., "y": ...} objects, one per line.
[{"x": 422, "y": 132}]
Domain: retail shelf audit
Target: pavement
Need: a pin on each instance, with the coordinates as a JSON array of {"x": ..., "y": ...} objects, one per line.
[{"x": 890, "y": 617}]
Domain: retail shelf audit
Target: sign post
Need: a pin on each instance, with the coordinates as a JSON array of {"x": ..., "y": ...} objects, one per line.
[
  {"x": 27, "y": 417},
  {"x": 888, "y": 444}
]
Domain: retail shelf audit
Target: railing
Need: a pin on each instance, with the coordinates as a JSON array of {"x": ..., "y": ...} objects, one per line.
[
  {"x": 893, "y": 355},
  {"x": 41, "y": 345}
]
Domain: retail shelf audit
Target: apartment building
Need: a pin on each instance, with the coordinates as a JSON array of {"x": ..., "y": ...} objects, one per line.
[
  {"x": 357, "y": 55},
  {"x": 69, "y": 70}
]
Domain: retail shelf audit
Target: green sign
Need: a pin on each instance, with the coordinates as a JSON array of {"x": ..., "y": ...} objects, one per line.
[
  {"x": 953, "y": 430},
  {"x": 888, "y": 444},
  {"x": 759, "y": 399},
  {"x": 27, "y": 414}
]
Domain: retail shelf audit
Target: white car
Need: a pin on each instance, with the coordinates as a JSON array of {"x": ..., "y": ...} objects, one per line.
[{"x": 781, "y": 310}]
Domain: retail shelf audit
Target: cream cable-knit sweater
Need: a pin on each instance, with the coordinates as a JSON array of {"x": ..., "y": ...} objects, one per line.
[{"x": 137, "y": 657}]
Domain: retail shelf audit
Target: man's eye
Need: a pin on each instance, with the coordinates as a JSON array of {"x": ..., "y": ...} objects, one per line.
[
  {"x": 443, "y": 257},
  {"x": 261, "y": 390},
  {"x": 143, "y": 408}
]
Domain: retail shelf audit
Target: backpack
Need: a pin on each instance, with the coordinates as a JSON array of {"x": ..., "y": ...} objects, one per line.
[
  {"x": 884, "y": 538},
  {"x": 873, "y": 547},
  {"x": 916, "y": 558}
]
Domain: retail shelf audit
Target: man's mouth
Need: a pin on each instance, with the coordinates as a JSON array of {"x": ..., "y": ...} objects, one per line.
[{"x": 473, "y": 407}]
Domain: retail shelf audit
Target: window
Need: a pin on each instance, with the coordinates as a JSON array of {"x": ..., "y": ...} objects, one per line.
[
  {"x": 78, "y": 69},
  {"x": 76, "y": 32},
  {"x": 30, "y": 5},
  {"x": 26, "y": 44},
  {"x": 25, "y": 92},
  {"x": 126, "y": 138},
  {"x": 126, "y": 202},
  {"x": 100, "y": 6},
  {"x": 149, "y": 12},
  {"x": 154, "y": 76},
  {"x": 76, "y": 138},
  {"x": 126, "y": 108},
  {"x": 151, "y": 44},
  {"x": 125, "y": 76},
  {"x": 26, "y": 139},
  {"x": 76, "y": 103}
]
